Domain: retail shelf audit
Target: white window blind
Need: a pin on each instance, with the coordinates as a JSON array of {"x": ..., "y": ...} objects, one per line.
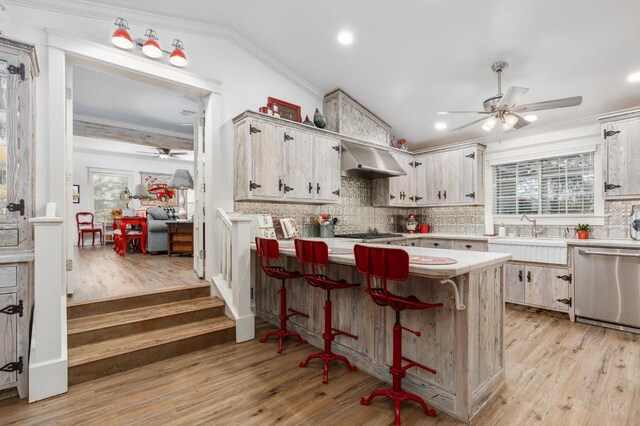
[{"x": 549, "y": 186}]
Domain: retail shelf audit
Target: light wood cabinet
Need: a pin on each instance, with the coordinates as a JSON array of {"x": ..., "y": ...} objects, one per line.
[
  {"x": 539, "y": 286},
  {"x": 433, "y": 243},
  {"x": 18, "y": 69},
  {"x": 276, "y": 161},
  {"x": 622, "y": 144},
  {"x": 469, "y": 245}
]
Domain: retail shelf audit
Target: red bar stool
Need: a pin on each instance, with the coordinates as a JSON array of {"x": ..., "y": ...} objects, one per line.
[
  {"x": 269, "y": 250},
  {"x": 313, "y": 254},
  {"x": 392, "y": 264}
]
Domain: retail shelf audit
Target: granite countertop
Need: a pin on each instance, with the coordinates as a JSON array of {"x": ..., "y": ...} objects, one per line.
[{"x": 467, "y": 261}]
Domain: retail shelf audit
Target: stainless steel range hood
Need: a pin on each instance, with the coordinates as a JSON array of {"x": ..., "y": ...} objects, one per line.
[{"x": 365, "y": 161}]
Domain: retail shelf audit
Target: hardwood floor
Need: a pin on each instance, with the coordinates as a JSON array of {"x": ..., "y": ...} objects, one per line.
[
  {"x": 101, "y": 273},
  {"x": 558, "y": 373}
]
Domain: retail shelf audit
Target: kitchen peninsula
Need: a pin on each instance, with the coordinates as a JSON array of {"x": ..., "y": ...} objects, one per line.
[{"x": 463, "y": 340}]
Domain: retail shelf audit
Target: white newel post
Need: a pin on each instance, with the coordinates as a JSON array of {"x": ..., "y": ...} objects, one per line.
[
  {"x": 241, "y": 278},
  {"x": 48, "y": 360}
]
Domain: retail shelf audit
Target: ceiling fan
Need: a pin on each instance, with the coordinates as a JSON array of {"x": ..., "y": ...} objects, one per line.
[
  {"x": 164, "y": 153},
  {"x": 504, "y": 108}
]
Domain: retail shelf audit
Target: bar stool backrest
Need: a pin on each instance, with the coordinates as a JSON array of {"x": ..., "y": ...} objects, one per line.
[
  {"x": 384, "y": 263},
  {"x": 311, "y": 255},
  {"x": 268, "y": 250}
]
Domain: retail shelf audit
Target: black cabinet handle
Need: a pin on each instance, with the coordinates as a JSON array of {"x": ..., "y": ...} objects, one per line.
[
  {"x": 610, "y": 186},
  {"x": 567, "y": 278},
  {"x": 439, "y": 195},
  {"x": 253, "y": 130},
  {"x": 280, "y": 184},
  {"x": 528, "y": 276},
  {"x": 317, "y": 188},
  {"x": 609, "y": 133},
  {"x": 418, "y": 198},
  {"x": 412, "y": 198},
  {"x": 287, "y": 188},
  {"x": 287, "y": 137},
  {"x": 391, "y": 196},
  {"x": 444, "y": 194},
  {"x": 565, "y": 301},
  {"x": 336, "y": 192},
  {"x": 520, "y": 275},
  {"x": 253, "y": 185},
  {"x": 471, "y": 195},
  {"x": 436, "y": 244},
  {"x": 14, "y": 309},
  {"x": 468, "y": 246},
  {"x": 310, "y": 188}
]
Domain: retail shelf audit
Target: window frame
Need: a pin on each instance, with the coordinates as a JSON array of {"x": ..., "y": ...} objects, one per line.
[{"x": 92, "y": 171}]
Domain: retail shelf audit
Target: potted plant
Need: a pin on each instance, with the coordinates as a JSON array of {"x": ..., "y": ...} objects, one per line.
[{"x": 583, "y": 231}]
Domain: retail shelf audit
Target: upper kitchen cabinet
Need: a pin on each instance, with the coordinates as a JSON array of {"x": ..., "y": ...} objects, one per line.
[
  {"x": 621, "y": 135},
  {"x": 277, "y": 160},
  {"x": 398, "y": 191}
]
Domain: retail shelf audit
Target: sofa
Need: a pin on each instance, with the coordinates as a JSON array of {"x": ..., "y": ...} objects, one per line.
[{"x": 157, "y": 218}]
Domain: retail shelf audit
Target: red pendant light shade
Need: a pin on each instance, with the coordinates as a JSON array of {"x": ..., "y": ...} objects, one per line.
[
  {"x": 151, "y": 47},
  {"x": 178, "y": 58},
  {"x": 121, "y": 37}
]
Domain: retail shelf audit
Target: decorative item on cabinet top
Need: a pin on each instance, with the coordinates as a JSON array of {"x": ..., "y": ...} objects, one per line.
[{"x": 282, "y": 109}]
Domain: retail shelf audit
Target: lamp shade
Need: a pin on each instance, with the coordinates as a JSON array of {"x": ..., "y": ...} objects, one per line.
[
  {"x": 151, "y": 47},
  {"x": 181, "y": 179}
]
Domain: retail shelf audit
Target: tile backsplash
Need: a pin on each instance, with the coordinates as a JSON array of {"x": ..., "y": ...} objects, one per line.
[{"x": 356, "y": 214}]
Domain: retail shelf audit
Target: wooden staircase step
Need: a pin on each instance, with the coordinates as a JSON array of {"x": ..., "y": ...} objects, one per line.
[
  {"x": 91, "y": 361},
  {"x": 95, "y": 328},
  {"x": 120, "y": 303}
]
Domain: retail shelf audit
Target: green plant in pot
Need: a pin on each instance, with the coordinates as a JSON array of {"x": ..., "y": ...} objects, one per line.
[{"x": 583, "y": 231}]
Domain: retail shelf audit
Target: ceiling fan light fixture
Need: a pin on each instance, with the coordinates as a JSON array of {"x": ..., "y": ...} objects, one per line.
[
  {"x": 531, "y": 118},
  {"x": 634, "y": 77},
  {"x": 489, "y": 124},
  {"x": 151, "y": 47},
  {"x": 178, "y": 58},
  {"x": 440, "y": 125},
  {"x": 121, "y": 37}
]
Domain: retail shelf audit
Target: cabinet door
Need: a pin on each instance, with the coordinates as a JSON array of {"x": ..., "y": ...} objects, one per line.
[
  {"x": 451, "y": 174},
  {"x": 514, "y": 283},
  {"x": 420, "y": 180},
  {"x": 468, "y": 175},
  {"x": 298, "y": 181},
  {"x": 433, "y": 179},
  {"x": 623, "y": 156},
  {"x": 326, "y": 169},
  {"x": 8, "y": 339},
  {"x": 543, "y": 287},
  {"x": 266, "y": 162}
]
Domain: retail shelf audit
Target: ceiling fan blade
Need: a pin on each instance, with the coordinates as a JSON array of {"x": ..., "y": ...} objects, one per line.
[
  {"x": 187, "y": 112},
  {"x": 556, "y": 103},
  {"x": 464, "y": 112},
  {"x": 521, "y": 122},
  {"x": 146, "y": 152},
  {"x": 186, "y": 125},
  {"x": 179, "y": 153},
  {"x": 512, "y": 97},
  {"x": 469, "y": 124}
]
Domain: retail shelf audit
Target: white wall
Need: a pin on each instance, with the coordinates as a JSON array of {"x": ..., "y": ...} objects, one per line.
[
  {"x": 248, "y": 75},
  {"x": 83, "y": 160}
]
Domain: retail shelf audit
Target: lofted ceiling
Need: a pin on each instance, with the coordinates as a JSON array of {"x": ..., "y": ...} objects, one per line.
[
  {"x": 101, "y": 96},
  {"x": 414, "y": 58}
]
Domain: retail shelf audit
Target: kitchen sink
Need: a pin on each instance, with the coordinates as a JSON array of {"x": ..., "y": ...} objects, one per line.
[{"x": 539, "y": 250}]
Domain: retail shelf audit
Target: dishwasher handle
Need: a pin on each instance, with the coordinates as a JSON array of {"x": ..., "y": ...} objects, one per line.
[{"x": 607, "y": 253}]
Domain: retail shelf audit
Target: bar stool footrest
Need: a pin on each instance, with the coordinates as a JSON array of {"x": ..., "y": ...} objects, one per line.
[
  {"x": 294, "y": 313},
  {"x": 337, "y": 332},
  {"x": 413, "y": 363}
]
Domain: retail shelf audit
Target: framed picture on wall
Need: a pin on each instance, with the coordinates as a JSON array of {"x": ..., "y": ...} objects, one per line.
[
  {"x": 155, "y": 184},
  {"x": 76, "y": 194}
]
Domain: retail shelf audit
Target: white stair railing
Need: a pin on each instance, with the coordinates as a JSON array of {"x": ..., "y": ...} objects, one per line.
[{"x": 232, "y": 271}]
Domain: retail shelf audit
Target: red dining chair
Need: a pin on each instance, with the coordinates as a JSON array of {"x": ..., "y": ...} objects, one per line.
[
  {"x": 84, "y": 222},
  {"x": 312, "y": 255},
  {"x": 269, "y": 251},
  {"x": 379, "y": 265}
]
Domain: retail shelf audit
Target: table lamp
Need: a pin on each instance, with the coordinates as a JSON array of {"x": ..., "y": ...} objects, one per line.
[{"x": 181, "y": 180}]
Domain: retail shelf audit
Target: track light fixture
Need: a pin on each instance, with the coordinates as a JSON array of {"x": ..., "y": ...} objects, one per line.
[{"x": 149, "y": 45}]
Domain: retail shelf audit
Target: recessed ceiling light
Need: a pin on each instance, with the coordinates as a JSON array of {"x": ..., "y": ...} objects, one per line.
[
  {"x": 531, "y": 118},
  {"x": 345, "y": 37},
  {"x": 441, "y": 125},
  {"x": 634, "y": 78}
]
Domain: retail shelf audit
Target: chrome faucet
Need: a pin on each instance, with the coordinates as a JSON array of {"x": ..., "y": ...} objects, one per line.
[{"x": 535, "y": 229}]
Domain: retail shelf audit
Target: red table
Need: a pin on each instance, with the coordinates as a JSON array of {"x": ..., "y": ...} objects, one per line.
[{"x": 121, "y": 223}]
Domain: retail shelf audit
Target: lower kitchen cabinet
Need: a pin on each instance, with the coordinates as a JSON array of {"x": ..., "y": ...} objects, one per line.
[
  {"x": 469, "y": 245},
  {"x": 439, "y": 244},
  {"x": 539, "y": 286}
]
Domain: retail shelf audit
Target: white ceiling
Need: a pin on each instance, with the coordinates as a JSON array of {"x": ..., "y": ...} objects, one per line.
[
  {"x": 109, "y": 97},
  {"x": 413, "y": 58}
]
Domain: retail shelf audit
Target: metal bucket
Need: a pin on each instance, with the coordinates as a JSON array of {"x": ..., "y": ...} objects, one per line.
[{"x": 326, "y": 231}]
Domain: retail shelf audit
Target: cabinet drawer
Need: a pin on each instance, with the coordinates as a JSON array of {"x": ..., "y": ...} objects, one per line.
[
  {"x": 469, "y": 245},
  {"x": 439, "y": 244},
  {"x": 8, "y": 336},
  {"x": 8, "y": 276},
  {"x": 544, "y": 287}
]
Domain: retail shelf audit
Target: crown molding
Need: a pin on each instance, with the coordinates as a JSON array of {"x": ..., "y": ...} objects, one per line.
[{"x": 87, "y": 9}]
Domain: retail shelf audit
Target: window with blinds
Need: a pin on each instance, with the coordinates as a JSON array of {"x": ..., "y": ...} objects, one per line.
[{"x": 548, "y": 186}]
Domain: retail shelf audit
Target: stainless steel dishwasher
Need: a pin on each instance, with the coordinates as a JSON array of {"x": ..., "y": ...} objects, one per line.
[{"x": 607, "y": 287}]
